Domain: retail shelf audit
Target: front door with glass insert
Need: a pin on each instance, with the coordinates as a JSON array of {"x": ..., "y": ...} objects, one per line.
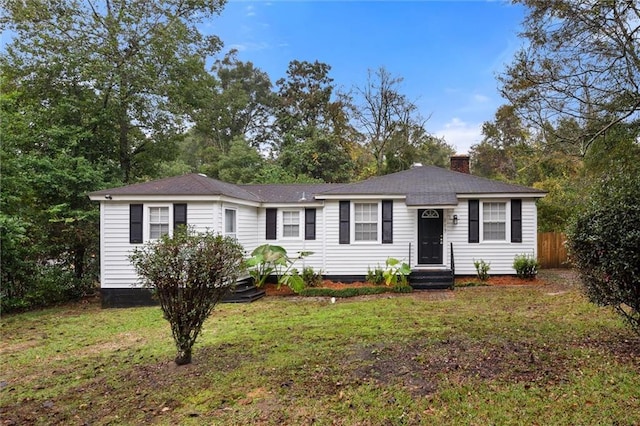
[{"x": 430, "y": 236}]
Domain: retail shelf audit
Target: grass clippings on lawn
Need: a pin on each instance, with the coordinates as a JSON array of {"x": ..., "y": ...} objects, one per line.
[{"x": 528, "y": 354}]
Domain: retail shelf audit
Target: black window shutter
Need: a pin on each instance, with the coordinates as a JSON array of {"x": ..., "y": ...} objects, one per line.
[
  {"x": 344, "y": 222},
  {"x": 135, "y": 223},
  {"x": 309, "y": 224},
  {"x": 474, "y": 221},
  {"x": 179, "y": 215},
  {"x": 516, "y": 221},
  {"x": 387, "y": 221},
  {"x": 272, "y": 220}
]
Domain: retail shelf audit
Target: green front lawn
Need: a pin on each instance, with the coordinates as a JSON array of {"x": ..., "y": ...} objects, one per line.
[{"x": 484, "y": 355}]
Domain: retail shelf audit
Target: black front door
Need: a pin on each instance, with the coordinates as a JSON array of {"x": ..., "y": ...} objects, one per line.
[{"x": 430, "y": 236}]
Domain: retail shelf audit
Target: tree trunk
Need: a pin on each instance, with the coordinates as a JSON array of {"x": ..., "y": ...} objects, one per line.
[
  {"x": 183, "y": 357},
  {"x": 78, "y": 260}
]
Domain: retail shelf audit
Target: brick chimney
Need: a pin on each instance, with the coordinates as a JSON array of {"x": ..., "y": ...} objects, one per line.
[{"x": 460, "y": 163}]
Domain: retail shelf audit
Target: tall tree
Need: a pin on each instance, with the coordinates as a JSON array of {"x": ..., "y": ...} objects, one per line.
[
  {"x": 415, "y": 145},
  {"x": 49, "y": 227},
  {"x": 581, "y": 62},
  {"x": 143, "y": 58},
  {"x": 504, "y": 140},
  {"x": 383, "y": 113},
  {"x": 313, "y": 135},
  {"x": 239, "y": 105}
]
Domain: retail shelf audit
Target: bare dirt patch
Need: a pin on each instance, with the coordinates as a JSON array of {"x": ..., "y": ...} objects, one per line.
[{"x": 421, "y": 368}]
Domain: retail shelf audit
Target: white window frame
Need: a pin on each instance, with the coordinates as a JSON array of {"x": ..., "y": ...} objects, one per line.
[
  {"x": 494, "y": 220},
  {"x": 377, "y": 222},
  {"x": 234, "y": 233},
  {"x": 286, "y": 224},
  {"x": 147, "y": 220}
]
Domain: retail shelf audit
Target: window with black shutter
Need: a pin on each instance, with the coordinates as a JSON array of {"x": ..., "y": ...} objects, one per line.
[
  {"x": 344, "y": 222},
  {"x": 309, "y": 224},
  {"x": 387, "y": 221},
  {"x": 179, "y": 215},
  {"x": 135, "y": 223},
  {"x": 516, "y": 221},
  {"x": 474, "y": 221},
  {"x": 272, "y": 221}
]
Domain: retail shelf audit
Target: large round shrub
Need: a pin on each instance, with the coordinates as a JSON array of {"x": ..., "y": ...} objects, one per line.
[
  {"x": 189, "y": 273},
  {"x": 604, "y": 242}
]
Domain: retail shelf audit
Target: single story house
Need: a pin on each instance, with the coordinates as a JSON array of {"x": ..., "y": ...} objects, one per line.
[{"x": 438, "y": 220}]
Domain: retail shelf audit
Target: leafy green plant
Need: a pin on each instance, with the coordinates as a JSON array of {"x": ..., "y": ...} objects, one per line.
[
  {"x": 603, "y": 243},
  {"x": 482, "y": 269},
  {"x": 375, "y": 276},
  {"x": 526, "y": 266},
  {"x": 310, "y": 277},
  {"x": 264, "y": 260},
  {"x": 396, "y": 272},
  {"x": 189, "y": 273},
  {"x": 269, "y": 260}
]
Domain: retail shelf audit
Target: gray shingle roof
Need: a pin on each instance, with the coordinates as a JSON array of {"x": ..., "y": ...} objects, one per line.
[
  {"x": 432, "y": 199},
  {"x": 191, "y": 184},
  {"x": 425, "y": 185},
  {"x": 289, "y": 193},
  {"x": 429, "y": 180}
]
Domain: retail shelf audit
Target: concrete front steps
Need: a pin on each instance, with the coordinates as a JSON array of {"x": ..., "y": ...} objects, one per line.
[{"x": 431, "y": 279}]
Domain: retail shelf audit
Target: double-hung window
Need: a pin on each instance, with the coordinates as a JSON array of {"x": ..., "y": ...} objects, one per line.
[
  {"x": 290, "y": 224},
  {"x": 158, "y": 222},
  {"x": 365, "y": 221},
  {"x": 494, "y": 220},
  {"x": 230, "y": 223}
]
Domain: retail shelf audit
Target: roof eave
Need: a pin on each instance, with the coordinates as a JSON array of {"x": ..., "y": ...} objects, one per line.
[
  {"x": 168, "y": 198},
  {"x": 360, "y": 196}
]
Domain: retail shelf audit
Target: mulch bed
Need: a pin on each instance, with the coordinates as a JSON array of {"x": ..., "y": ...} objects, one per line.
[
  {"x": 502, "y": 280},
  {"x": 272, "y": 289}
]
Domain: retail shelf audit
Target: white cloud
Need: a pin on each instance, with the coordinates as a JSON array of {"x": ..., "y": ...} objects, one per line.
[
  {"x": 481, "y": 99},
  {"x": 250, "y": 46},
  {"x": 250, "y": 10},
  {"x": 460, "y": 134}
]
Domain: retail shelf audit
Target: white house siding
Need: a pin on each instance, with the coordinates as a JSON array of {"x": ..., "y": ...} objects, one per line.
[
  {"x": 357, "y": 258},
  {"x": 201, "y": 216},
  {"x": 247, "y": 232},
  {"x": 499, "y": 254},
  {"x": 295, "y": 245},
  {"x": 329, "y": 256},
  {"x": 116, "y": 269}
]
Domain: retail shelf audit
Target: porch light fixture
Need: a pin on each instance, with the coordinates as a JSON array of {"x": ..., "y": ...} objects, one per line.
[
  {"x": 455, "y": 219},
  {"x": 108, "y": 197}
]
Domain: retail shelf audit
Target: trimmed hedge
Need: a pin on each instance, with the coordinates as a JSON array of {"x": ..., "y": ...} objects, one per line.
[{"x": 353, "y": 291}]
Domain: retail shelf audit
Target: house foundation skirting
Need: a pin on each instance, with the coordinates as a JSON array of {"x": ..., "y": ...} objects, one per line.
[{"x": 127, "y": 297}]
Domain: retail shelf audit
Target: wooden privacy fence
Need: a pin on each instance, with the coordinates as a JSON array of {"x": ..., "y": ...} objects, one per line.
[{"x": 552, "y": 251}]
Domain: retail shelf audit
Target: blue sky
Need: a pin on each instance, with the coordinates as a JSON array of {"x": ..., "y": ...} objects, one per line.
[{"x": 448, "y": 52}]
